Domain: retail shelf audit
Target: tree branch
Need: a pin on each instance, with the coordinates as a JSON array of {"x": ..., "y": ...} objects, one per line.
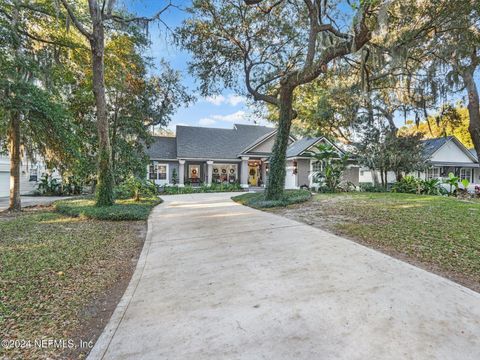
[{"x": 76, "y": 22}]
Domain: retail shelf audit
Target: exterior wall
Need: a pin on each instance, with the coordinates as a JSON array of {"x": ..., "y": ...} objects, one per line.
[
  {"x": 264, "y": 147},
  {"x": 28, "y": 167},
  {"x": 450, "y": 152},
  {"x": 366, "y": 176},
  {"x": 351, "y": 174},
  {"x": 290, "y": 178},
  {"x": 303, "y": 172}
]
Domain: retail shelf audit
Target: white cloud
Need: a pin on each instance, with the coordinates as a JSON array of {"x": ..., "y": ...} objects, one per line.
[
  {"x": 215, "y": 100},
  {"x": 238, "y": 116},
  {"x": 232, "y": 100},
  {"x": 206, "y": 122}
]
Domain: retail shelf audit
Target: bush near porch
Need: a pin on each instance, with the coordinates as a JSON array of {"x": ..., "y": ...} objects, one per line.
[
  {"x": 187, "y": 189},
  {"x": 441, "y": 234},
  {"x": 257, "y": 200}
]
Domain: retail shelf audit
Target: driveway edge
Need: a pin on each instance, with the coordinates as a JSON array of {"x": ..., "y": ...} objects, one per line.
[{"x": 103, "y": 341}]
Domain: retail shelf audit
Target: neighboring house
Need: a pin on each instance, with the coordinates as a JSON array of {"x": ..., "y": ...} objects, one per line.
[
  {"x": 31, "y": 171},
  {"x": 238, "y": 155},
  {"x": 445, "y": 155}
]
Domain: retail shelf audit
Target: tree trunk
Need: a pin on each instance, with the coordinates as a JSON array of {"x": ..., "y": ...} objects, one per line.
[
  {"x": 104, "y": 187},
  {"x": 14, "y": 150},
  {"x": 381, "y": 177},
  {"x": 276, "y": 177},
  {"x": 473, "y": 109}
]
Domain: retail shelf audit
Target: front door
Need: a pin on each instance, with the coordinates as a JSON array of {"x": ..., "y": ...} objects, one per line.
[{"x": 253, "y": 174}]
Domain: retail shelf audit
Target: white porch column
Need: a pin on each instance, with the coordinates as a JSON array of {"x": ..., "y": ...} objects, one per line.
[
  {"x": 244, "y": 173},
  {"x": 264, "y": 172},
  {"x": 209, "y": 172},
  {"x": 181, "y": 173}
]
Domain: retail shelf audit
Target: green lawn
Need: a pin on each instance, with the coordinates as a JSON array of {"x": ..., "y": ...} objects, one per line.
[
  {"x": 443, "y": 234},
  {"x": 53, "y": 266}
]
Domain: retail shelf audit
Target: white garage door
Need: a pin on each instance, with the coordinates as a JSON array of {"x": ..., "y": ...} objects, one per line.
[
  {"x": 4, "y": 183},
  {"x": 290, "y": 179}
]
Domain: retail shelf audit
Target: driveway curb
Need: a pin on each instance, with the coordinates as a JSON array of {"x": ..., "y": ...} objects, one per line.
[{"x": 103, "y": 342}]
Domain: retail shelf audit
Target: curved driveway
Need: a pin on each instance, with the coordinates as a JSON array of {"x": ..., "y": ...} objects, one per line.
[{"x": 217, "y": 280}]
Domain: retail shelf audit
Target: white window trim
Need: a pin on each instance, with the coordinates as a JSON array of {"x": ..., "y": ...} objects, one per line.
[
  {"x": 163, "y": 181},
  {"x": 470, "y": 177},
  {"x": 434, "y": 169}
]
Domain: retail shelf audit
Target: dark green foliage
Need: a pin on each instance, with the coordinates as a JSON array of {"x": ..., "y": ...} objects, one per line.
[
  {"x": 174, "y": 176},
  {"x": 334, "y": 164},
  {"x": 49, "y": 186},
  {"x": 369, "y": 187},
  {"x": 174, "y": 190},
  {"x": 258, "y": 200},
  {"x": 413, "y": 185},
  {"x": 121, "y": 210},
  {"x": 136, "y": 188}
]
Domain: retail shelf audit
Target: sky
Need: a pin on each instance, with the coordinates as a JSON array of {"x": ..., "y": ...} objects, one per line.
[{"x": 222, "y": 110}]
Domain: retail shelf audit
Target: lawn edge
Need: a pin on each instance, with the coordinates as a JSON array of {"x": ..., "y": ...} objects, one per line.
[{"x": 103, "y": 342}]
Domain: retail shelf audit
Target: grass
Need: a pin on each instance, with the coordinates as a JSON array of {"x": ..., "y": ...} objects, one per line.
[
  {"x": 439, "y": 232},
  {"x": 257, "y": 200},
  {"x": 122, "y": 210},
  {"x": 52, "y": 266}
]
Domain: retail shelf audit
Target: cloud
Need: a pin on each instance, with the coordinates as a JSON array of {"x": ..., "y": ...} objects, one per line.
[
  {"x": 238, "y": 116},
  {"x": 232, "y": 100},
  {"x": 206, "y": 122},
  {"x": 215, "y": 100}
]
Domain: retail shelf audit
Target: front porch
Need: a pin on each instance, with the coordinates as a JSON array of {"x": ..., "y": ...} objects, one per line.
[{"x": 246, "y": 171}]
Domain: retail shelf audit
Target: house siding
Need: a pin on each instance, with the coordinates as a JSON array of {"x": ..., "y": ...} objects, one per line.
[
  {"x": 351, "y": 175},
  {"x": 303, "y": 172}
]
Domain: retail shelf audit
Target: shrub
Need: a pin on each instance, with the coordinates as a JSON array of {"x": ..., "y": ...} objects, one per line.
[
  {"x": 121, "y": 210},
  {"x": 49, "y": 186},
  {"x": 408, "y": 185},
  {"x": 135, "y": 188},
  {"x": 188, "y": 189},
  {"x": 257, "y": 200},
  {"x": 368, "y": 187}
]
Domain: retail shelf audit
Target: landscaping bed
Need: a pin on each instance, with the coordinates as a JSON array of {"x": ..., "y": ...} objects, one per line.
[
  {"x": 62, "y": 276},
  {"x": 257, "y": 200},
  {"x": 437, "y": 233},
  {"x": 127, "y": 209},
  {"x": 189, "y": 189}
]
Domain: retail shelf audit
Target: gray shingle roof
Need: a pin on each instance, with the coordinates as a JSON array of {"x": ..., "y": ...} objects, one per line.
[
  {"x": 299, "y": 146},
  {"x": 430, "y": 146},
  {"x": 214, "y": 143},
  {"x": 162, "y": 147},
  {"x": 210, "y": 143}
]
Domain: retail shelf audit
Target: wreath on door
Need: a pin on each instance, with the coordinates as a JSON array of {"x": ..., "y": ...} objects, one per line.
[
  {"x": 194, "y": 171},
  {"x": 232, "y": 171}
]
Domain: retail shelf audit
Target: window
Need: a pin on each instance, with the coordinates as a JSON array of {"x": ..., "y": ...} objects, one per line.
[
  {"x": 152, "y": 172},
  {"x": 162, "y": 172},
  {"x": 33, "y": 174},
  {"x": 223, "y": 173},
  {"x": 317, "y": 166},
  {"x": 466, "y": 174},
  {"x": 433, "y": 173}
]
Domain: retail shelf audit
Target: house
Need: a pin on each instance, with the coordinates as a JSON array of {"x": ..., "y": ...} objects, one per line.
[
  {"x": 445, "y": 155},
  {"x": 238, "y": 155},
  {"x": 31, "y": 170}
]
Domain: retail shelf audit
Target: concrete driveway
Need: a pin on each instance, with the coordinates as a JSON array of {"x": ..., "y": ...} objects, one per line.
[{"x": 217, "y": 280}]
